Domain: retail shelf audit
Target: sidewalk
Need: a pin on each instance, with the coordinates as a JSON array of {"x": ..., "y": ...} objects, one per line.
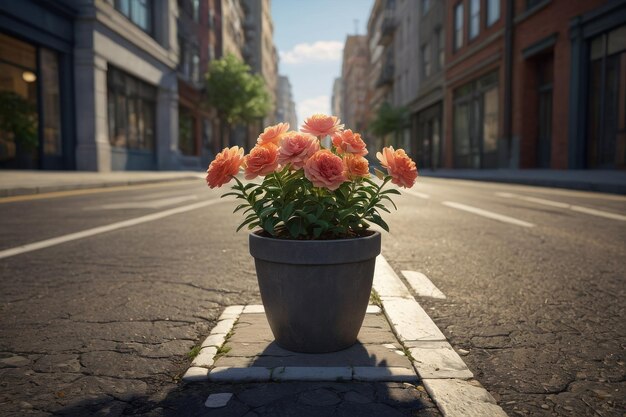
[
  {"x": 16, "y": 182},
  {"x": 589, "y": 180}
]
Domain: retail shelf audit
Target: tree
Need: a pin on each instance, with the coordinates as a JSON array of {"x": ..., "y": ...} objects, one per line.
[
  {"x": 237, "y": 95},
  {"x": 389, "y": 120}
]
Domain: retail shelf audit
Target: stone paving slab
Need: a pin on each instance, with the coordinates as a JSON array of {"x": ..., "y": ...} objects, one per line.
[{"x": 251, "y": 354}]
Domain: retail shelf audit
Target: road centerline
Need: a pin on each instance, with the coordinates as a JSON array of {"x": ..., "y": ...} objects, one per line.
[
  {"x": 103, "y": 229},
  {"x": 487, "y": 214}
]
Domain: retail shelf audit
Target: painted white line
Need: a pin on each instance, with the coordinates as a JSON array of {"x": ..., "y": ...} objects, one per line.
[
  {"x": 103, "y": 229},
  {"x": 558, "y": 204},
  {"x": 417, "y": 194},
  {"x": 441, "y": 369},
  {"x": 421, "y": 285},
  {"x": 488, "y": 214},
  {"x": 150, "y": 204}
]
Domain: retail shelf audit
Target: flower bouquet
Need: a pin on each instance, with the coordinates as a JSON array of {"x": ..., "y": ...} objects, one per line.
[{"x": 309, "y": 191}]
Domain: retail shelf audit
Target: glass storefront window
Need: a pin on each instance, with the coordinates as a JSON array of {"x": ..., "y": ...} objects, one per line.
[
  {"x": 51, "y": 103},
  {"x": 19, "y": 118},
  {"x": 186, "y": 132},
  {"x": 131, "y": 108},
  {"x": 476, "y": 116},
  {"x": 606, "y": 138}
]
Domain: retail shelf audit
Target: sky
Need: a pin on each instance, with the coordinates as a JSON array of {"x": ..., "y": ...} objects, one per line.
[{"x": 309, "y": 36}]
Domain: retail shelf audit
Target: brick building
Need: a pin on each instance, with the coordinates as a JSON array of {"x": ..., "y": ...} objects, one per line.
[{"x": 538, "y": 85}]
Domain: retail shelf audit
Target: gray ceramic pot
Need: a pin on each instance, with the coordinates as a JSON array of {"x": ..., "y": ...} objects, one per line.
[{"x": 315, "y": 292}]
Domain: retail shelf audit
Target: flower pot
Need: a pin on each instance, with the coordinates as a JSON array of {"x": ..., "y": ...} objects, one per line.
[{"x": 315, "y": 292}]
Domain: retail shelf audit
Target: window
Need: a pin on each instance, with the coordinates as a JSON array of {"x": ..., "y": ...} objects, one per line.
[
  {"x": 458, "y": 26},
  {"x": 606, "y": 138},
  {"x": 196, "y": 10},
  {"x": 426, "y": 5},
  {"x": 493, "y": 11},
  {"x": 532, "y": 3},
  {"x": 186, "y": 132},
  {"x": 475, "y": 118},
  {"x": 426, "y": 61},
  {"x": 138, "y": 11},
  {"x": 50, "y": 102},
  {"x": 131, "y": 108},
  {"x": 440, "y": 48},
  {"x": 474, "y": 23}
]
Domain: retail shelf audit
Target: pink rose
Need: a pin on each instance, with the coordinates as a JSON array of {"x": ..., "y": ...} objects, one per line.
[
  {"x": 224, "y": 167},
  {"x": 321, "y": 125},
  {"x": 296, "y": 148},
  {"x": 272, "y": 134},
  {"x": 261, "y": 160},
  {"x": 348, "y": 142},
  {"x": 325, "y": 169},
  {"x": 399, "y": 166},
  {"x": 356, "y": 166}
]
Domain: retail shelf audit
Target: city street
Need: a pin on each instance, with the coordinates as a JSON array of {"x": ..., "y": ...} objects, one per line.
[{"x": 103, "y": 322}]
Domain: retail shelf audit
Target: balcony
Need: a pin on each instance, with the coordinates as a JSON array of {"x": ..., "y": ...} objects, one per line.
[{"x": 387, "y": 28}]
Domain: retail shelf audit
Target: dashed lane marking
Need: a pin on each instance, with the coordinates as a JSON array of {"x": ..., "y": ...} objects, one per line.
[
  {"x": 149, "y": 204},
  {"x": 417, "y": 194},
  {"x": 558, "y": 204},
  {"x": 421, "y": 285},
  {"x": 488, "y": 214},
  {"x": 103, "y": 229}
]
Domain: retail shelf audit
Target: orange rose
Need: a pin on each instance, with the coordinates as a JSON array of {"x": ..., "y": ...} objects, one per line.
[
  {"x": 296, "y": 148},
  {"x": 261, "y": 160},
  {"x": 272, "y": 134},
  {"x": 224, "y": 167},
  {"x": 325, "y": 169},
  {"x": 401, "y": 168},
  {"x": 321, "y": 125},
  {"x": 348, "y": 142},
  {"x": 356, "y": 166}
]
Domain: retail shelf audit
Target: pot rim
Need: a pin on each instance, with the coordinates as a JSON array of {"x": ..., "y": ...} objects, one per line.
[{"x": 315, "y": 252}]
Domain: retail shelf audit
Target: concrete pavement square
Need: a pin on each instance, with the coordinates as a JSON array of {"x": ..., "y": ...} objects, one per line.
[{"x": 251, "y": 346}]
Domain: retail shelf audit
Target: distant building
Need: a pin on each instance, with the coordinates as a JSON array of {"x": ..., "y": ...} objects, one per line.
[
  {"x": 335, "y": 102},
  {"x": 232, "y": 18},
  {"x": 197, "y": 39},
  {"x": 538, "y": 86},
  {"x": 259, "y": 50},
  {"x": 427, "y": 105},
  {"x": 285, "y": 106},
  {"x": 354, "y": 74},
  {"x": 381, "y": 28}
]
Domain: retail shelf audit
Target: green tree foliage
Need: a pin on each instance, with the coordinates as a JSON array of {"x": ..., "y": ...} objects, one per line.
[
  {"x": 389, "y": 120},
  {"x": 237, "y": 95}
]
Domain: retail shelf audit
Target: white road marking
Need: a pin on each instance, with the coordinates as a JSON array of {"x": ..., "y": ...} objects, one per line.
[
  {"x": 421, "y": 285},
  {"x": 417, "y": 194},
  {"x": 558, "y": 204},
  {"x": 151, "y": 204},
  {"x": 103, "y": 229},
  {"x": 488, "y": 214}
]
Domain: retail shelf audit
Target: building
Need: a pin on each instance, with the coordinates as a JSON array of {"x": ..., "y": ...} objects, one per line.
[
  {"x": 107, "y": 71},
  {"x": 285, "y": 106},
  {"x": 569, "y": 84},
  {"x": 427, "y": 107},
  {"x": 381, "y": 28},
  {"x": 354, "y": 74},
  {"x": 406, "y": 46},
  {"x": 198, "y": 35},
  {"x": 540, "y": 85},
  {"x": 232, "y": 19},
  {"x": 36, "y": 67},
  {"x": 335, "y": 101}
]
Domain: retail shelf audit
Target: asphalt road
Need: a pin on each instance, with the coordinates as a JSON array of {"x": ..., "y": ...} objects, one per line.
[{"x": 535, "y": 301}]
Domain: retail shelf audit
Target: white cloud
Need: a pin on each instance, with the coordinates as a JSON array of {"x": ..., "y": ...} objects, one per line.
[
  {"x": 310, "y": 106},
  {"x": 317, "y": 51}
]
